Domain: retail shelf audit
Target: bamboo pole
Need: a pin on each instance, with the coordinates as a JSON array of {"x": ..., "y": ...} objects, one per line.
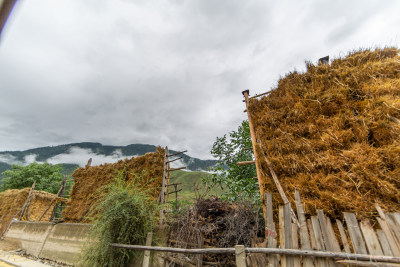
[
  {"x": 175, "y": 169},
  {"x": 280, "y": 251},
  {"x": 177, "y": 153},
  {"x": 254, "y": 141},
  {"x": 246, "y": 162}
]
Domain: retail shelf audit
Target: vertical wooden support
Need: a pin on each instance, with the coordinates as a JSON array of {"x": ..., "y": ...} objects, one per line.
[
  {"x": 304, "y": 237},
  {"x": 270, "y": 225},
  {"x": 240, "y": 254},
  {"x": 146, "y": 259},
  {"x": 164, "y": 187},
  {"x": 288, "y": 233},
  {"x": 25, "y": 208},
  {"x": 355, "y": 233},
  {"x": 343, "y": 236},
  {"x": 260, "y": 177},
  {"x": 254, "y": 142}
]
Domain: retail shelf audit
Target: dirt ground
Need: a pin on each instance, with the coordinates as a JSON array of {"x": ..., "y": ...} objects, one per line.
[{"x": 7, "y": 246}]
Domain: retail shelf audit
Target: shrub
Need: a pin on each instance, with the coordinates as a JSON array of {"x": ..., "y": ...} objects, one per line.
[{"x": 124, "y": 214}]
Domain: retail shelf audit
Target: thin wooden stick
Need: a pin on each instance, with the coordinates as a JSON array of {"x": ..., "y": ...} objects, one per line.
[
  {"x": 293, "y": 252},
  {"x": 177, "y": 153},
  {"x": 246, "y": 162},
  {"x": 175, "y": 169}
]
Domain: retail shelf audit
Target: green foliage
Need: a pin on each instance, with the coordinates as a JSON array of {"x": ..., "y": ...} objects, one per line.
[
  {"x": 237, "y": 181},
  {"x": 48, "y": 177},
  {"x": 124, "y": 214}
]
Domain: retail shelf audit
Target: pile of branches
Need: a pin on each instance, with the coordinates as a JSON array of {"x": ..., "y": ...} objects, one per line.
[{"x": 214, "y": 223}]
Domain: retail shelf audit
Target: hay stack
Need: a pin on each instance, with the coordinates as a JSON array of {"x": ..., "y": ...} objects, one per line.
[
  {"x": 12, "y": 200},
  {"x": 333, "y": 133},
  {"x": 89, "y": 180}
]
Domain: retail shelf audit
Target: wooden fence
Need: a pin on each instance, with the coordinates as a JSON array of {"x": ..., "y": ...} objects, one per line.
[{"x": 315, "y": 241}]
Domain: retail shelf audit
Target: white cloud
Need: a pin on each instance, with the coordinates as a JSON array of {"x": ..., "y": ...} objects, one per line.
[
  {"x": 81, "y": 156},
  {"x": 163, "y": 72}
]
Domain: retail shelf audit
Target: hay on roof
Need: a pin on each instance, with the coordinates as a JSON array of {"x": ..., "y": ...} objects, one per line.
[
  {"x": 89, "y": 180},
  {"x": 333, "y": 133}
]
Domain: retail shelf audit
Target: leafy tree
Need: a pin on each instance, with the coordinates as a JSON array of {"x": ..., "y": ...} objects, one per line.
[
  {"x": 237, "y": 181},
  {"x": 48, "y": 177}
]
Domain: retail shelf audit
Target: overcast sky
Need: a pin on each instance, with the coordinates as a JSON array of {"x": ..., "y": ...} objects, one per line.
[{"x": 163, "y": 72}]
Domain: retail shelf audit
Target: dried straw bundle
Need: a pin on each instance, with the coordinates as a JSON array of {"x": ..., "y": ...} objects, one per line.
[
  {"x": 89, "y": 180},
  {"x": 333, "y": 133},
  {"x": 12, "y": 200}
]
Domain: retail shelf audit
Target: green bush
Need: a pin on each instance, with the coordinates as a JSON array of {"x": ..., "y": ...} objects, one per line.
[
  {"x": 48, "y": 177},
  {"x": 124, "y": 214}
]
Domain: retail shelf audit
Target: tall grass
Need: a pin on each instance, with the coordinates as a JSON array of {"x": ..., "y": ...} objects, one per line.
[{"x": 124, "y": 215}]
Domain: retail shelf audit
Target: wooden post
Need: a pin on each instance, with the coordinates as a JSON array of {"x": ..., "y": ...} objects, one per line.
[
  {"x": 261, "y": 181},
  {"x": 146, "y": 259},
  {"x": 240, "y": 256}
]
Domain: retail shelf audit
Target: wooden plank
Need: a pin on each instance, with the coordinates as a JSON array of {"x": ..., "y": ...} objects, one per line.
[
  {"x": 373, "y": 245},
  {"x": 332, "y": 236},
  {"x": 271, "y": 241},
  {"x": 304, "y": 237},
  {"x": 355, "y": 233},
  {"x": 282, "y": 233},
  {"x": 366, "y": 263},
  {"x": 318, "y": 241},
  {"x": 380, "y": 212},
  {"x": 389, "y": 236},
  {"x": 384, "y": 243},
  {"x": 295, "y": 244},
  {"x": 146, "y": 259},
  {"x": 317, "y": 233},
  {"x": 343, "y": 236},
  {"x": 288, "y": 232},
  {"x": 324, "y": 231},
  {"x": 312, "y": 235},
  {"x": 278, "y": 185},
  {"x": 240, "y": 255},
  {"x": 394, "y": 227}
]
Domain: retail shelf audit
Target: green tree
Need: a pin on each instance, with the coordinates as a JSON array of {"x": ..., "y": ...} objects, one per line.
[
  {"x": 48, "y": 177},
  {"x": 237, "y": 181}
]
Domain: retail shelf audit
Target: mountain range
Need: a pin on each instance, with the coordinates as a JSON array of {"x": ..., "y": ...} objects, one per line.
[{"x": 74, "y": 155}]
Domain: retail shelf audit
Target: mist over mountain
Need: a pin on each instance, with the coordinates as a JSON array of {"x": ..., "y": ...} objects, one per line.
[{"x": 77, "y": 154}]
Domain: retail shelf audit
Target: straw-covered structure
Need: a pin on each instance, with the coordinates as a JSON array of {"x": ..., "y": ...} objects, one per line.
[
  {"x": 12, "y": 200},
  {"x": 333, "y": 133},
  {"x": 146, "y": 171}
]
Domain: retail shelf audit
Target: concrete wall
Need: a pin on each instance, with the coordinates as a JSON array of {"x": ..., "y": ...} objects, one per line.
[{"x": 61, "y": 242}]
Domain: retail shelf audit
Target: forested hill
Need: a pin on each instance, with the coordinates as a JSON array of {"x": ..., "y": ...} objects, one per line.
[{"x": 50, "y": 153}]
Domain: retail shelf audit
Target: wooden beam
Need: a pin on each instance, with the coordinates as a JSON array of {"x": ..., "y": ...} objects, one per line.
[
  {"x": 254, "y": 96},
  {"x": 280, "y": 251},
  {"x": 173, "y": 160},
  {"x": 246, "y": 162},
  {"x": 175, "y": 169},
  {"x": 177, "y": 153},
  {"x": 176, "y": 191},
  {"x": 253, "y": 139}
]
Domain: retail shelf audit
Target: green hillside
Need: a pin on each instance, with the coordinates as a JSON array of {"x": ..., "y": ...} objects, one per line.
[
  {"x": 45, "y": 153},
  {"x": 191, "y": 185}
]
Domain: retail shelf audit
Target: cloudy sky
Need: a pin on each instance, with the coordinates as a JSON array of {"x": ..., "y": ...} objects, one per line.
[{"x": 165, "y": 72}]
